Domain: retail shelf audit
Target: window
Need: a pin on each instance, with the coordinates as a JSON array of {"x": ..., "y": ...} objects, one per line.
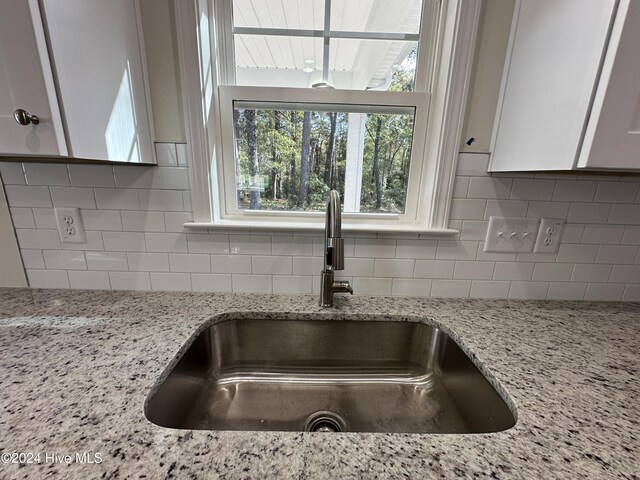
[{"x": 295, "y": 98}]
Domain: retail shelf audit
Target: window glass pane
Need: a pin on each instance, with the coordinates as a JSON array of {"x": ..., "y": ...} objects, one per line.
[
  {"x": 288, "y": 159},
  {"x": 396, "y": 16},
  {"x": 275, "y": 61},
  {"x": 296, "y": 14},
  {"x": 372, "y": 64}
]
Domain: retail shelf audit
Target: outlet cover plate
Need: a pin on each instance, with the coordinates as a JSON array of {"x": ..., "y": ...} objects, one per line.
[
  {"x": 70, "y": 225},
  {"x": 549, "y": 234},
  {"x": 507, "y": 234}
]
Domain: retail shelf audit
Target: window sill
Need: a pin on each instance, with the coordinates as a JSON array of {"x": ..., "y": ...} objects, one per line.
[{"x": 318, "y": 227}]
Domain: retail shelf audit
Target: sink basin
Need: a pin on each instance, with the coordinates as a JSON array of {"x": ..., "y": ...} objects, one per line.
[{"x": 327, "y": 375}]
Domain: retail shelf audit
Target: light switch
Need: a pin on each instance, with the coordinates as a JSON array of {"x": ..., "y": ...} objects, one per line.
[{"x": 510, "y": 234}]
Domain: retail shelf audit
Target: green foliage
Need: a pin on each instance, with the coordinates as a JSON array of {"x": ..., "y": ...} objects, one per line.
[{"x": 279, "y": 143}]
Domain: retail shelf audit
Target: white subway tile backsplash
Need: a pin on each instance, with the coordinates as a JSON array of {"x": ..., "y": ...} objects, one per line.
[
  {"x": 230, "y": 263},
  {"x": 251, "y": 283},
  {"x": 203, "y": 243},
  {"x": 146, "y": 246},
  {"x": 489, "y": 289},
  {"x": 101, "y": 220},
  {"x": 456, "y": 250},
  {"x": 292, "y": 246},
  {"x": 451, "y": 288},
  {"x": 566, "y": 291},
  {"x": 591, "y": 273},
  {"x": 190, "y": 262},
  {"x": 528, "y": 290},
  {"x": 28, "y": 196},
  {"x": 574, "y": 191},
  {"x": 106, "y": 261},
  {"x": 22, "y": 217},
  {"x": 271, "y": 265},
  {"x": 372, "y": 286},
  {"x": 489, "y": 187},
  {"x": 375, "y": 248},
  {"x": 472, "y": 270},
  {"x": 38, "y": 239},
  {"x": 249, "y": 245},
  {"x": 11, "y": 173},
  {"x": 397, "y": 268},
  {"x": 532, "y": 189},
  {"x": 117, "y": 198},
  {"x": 292, "y": 284},
  {"x": 625, "y": 214},
  {"x": 123, "y": 241},
  {"x": 73, "y": 197},
  {"x": 603, "y": 234},
  {"x": 201, "y": 282},
  {"x": 416, "y": 249},
  {"x": 46, "y": 174},
  {"x": 32, "y": 258},
  {"x": 575, "y": 253},
  {"x": 604, "y": 291},
  {"x": 555, "y": 272},
  {"x": 91, "y": 176},
  {"x": 625, "y": 274},
  {"x": 161, "y": 200},
  {"x": 589, "y": 213},
  {"x": 148, "y": 262},
  {"x": 171, "y": 282},
  {"x": 130, "y": 280},
  {"x": 622, "y": 254},
  {"x": 166, "y": 242},
  {"x": 64, "y": 260},
  {"x": 617, "y": 192},
  {"x": 413, "y": 287},
  {"x": 143, "y": 221},
  {"x": 89, "y": 280},
  {"x": 182, "y": 155},
  {"x": 467, "y": 209},
  {"x": 48, "y": 278},
  {"x": 434, "y": 269}
]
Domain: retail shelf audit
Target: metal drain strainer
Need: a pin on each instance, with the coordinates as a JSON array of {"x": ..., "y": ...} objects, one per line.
[{"x": 325, "y": 421}]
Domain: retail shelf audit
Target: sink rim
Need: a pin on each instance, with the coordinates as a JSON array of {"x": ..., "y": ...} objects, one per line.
[{"x": 325, "y": 316}]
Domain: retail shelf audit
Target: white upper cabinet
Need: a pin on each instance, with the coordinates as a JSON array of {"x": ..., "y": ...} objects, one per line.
[
  {"x": 26, "y": 83},
  {"x": 571, "y": 86},
  {"x": 612, "y": 138},
  {"x": 94, "y": 50}
]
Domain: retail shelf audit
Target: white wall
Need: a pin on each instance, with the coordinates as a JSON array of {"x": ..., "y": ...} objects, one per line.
[{"x": 133, "y": 217}]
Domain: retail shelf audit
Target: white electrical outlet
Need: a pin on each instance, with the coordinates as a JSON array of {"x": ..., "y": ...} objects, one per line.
[
  {"x": 70, "y": 225},
  {"x": 549, "y": 235},
  {"x": 510, "y": 234}
]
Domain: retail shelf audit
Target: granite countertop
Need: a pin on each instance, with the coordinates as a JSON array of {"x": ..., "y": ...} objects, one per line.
[{"x": 76, "y": 367}]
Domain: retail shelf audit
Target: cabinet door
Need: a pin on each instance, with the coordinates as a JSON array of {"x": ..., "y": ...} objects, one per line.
[
  {"x": 26, "y": 82},
  {"x": 556, "y": 48},
  {"x": 612, "y": 137},
  {"x": 97, "y": 56}
]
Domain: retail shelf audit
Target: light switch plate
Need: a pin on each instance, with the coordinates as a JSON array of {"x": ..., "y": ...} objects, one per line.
[
  {"x": 549, "y": 234},
  {"x": 506, "y": 234},
  {"x": 70, "y": 225}
]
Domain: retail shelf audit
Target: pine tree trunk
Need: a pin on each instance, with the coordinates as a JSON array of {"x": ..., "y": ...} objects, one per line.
[
  {"x": 376, "y": 164},
  {"x": 254, "y": 188},
  {"x": 236, "y": 140},
  {"x": 329, "y": 164},
  {"x": 304, "y": 159}
]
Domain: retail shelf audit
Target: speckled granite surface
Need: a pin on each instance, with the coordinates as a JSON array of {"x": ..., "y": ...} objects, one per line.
[{"x": 76, "y": 367}]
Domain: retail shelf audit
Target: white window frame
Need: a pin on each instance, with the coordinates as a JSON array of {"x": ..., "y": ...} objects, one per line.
[{"x": 208, "y": 105}]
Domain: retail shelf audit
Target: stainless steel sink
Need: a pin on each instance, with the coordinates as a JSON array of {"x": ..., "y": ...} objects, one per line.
[{"x": 322, "y": 375}]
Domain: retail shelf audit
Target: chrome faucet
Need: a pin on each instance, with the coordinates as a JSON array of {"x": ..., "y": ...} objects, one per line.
[{"x": 333, "y": 253}]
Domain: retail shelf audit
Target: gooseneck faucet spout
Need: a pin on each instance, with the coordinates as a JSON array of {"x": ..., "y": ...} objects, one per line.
[{"x": 333, "y": 253}]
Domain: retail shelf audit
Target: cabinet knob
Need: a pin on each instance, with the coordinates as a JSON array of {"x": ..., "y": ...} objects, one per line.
[{"x": 25, "y": 118}]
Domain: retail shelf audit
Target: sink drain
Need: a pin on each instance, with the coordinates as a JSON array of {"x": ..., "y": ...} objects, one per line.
[{"x": 325, "y": 421}]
